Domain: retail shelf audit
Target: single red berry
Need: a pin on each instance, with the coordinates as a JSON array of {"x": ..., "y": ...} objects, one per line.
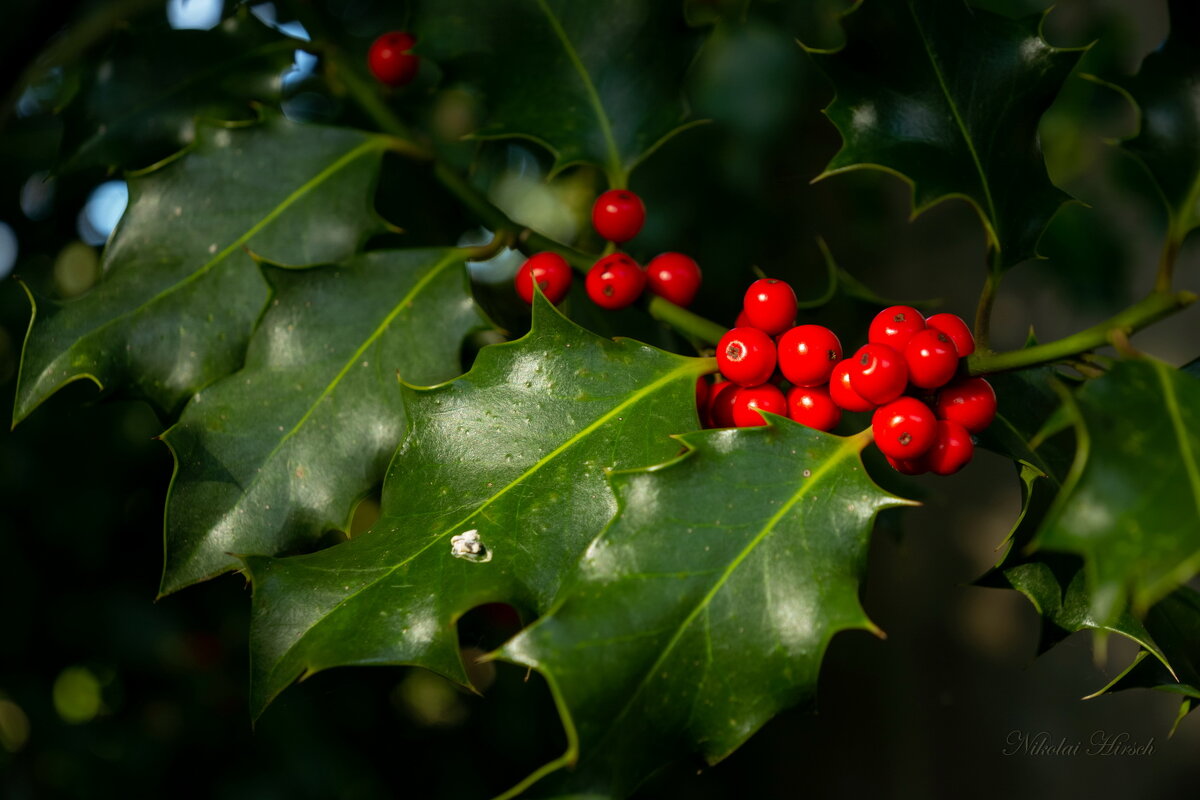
[
  {"x": 951, "y": 450},
  {"x": 843, "y": 393},
  {"x": 749, "y": 400},
  {"x": 720, "y": 405},
  {"x": 954, "y": 327},
  {"x": 878, "y": 373},
  {"x": 911, "y": 466},
  {"x": 550, "y": 271},
  {"x": 742, "y": 320},
  {"x": 770, "y": 305},
  {"x": 812, "y": 406},
  {"x": 391, "y": 62},
  {"x": 904, "y": 429},
  {"x": 931, "y": 359},
  {"x": 970, "y": 402},
  {"x": 808, "y": 353},
  {"x": 894, "y": 326},
  {"x": 615, "y": 281},
  {"x": 618, "y": 215},
  {"x": 702, "y": 390},
  {"x": 746, "y": 356},
  {"x": 674, "y": 277}
]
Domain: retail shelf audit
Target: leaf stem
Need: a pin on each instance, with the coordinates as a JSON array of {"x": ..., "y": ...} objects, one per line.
[
  {"x": 685, "y": 321},
  {"x": 1166, "y": 264},
  {"x": 987, "y": 299},
  {"x": 1152, "y": 308}
]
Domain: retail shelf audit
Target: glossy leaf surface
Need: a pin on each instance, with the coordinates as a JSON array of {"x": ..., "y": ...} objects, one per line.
[
  {"x": 705, "y": 608},
  {"x": 179, "y": 294},
  {"x": 274, "y": 455},
  {"x": 517, "y": 451},
  {"x": 950, "y": 99}
]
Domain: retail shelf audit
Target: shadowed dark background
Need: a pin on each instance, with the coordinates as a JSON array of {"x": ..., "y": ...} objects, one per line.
[{"x": 106, "y": 693}]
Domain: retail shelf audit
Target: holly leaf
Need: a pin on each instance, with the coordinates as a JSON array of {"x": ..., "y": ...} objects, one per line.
[
  {"x": 179, "y": 293},
  {"x": 496, "y": 490},
  {"x": 1130, "y": 504},
  {"x": 1175, "y": 621},
  {"x": 706, "y": 606},
  {"x": 139, "y": 104},
  {"x": 608, "y": 75},
  {"x": 1167, "y": 92},
  {"x": 274, "y": 455},
  {"x": 949, "y": 99}
]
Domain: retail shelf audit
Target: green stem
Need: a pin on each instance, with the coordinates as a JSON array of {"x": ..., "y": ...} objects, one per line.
[
  {"x": 685, "y": 321},
  {"x": 1166, "y": 264},
  {"x": 983, "y": 313},
  {"x": 369, "y": 99},
  {"x": 1154, "y": 307}
]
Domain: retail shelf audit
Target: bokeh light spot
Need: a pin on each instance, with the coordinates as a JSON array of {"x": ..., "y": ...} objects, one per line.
[
  {"x": 77, "y": 695},
  {"x": 103, "y": 211}
]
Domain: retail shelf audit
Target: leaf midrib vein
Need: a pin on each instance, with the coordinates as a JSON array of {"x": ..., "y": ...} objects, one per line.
[
  {"x": 962, "y": 128},
  {"x": 847, "y": 446},
  {"x": 614, "y": 155},
  {"x": 296, "y": 195},
  {"x": 636, "y": 397}
]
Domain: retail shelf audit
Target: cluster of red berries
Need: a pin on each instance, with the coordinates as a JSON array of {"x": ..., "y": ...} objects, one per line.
[
  {"x": 906, "y": 374},
  {"x": 615, "y": 280},
  {"x": 391, "y": 61}
]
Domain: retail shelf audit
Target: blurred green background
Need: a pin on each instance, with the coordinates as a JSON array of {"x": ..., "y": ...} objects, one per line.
[{"x": 106, "y": 693}]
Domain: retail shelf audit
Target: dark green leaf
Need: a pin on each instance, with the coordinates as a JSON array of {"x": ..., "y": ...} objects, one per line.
[
  {"x": 179, "y": 294},
  {"x": 517, "y": 450},
  {"x": 705, "y": 608},
  {"x": 816, "y": 24},
  {"x": 1175, "y": 622},
  {"x": 272, "y": 456},
  {"x": 603, "y": 80},
  {"x": 1130, "y": 505},
  {"x": 139, "y": 104},
  {"x": 950, "y": 98},
  {"x": 1167, "y": 90}
]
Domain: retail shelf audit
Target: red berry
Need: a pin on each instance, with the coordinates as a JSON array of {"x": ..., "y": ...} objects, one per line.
[
  {"x": 952, "y": 449},
  {"x": 720, "y": 404},
  {"x": 931, "y": 359},
  {"x": 812, "y": 406},
  {"x": 749, "y": 400},
  {"x": 894, "y": 326},
  {"x": 842, "y": 393},
  {"x": 618, "y": 215},
  {"x": 954, "y": 327},
  {"x": 746, "y": 356},
  {"x": 674, "y": 277},
  {"x": 701, "y": 392},
  {"x": 551, "y": 272},
  {"x": 911, "y": 466},
  {"x": 970, "y": 402},
  {"x": 770, "y": 305},
  {"x": 808, "y": 353},
  {"x": 878, "y": 374},
  {"x": 742, "y": 320},
  {"x": 615, "y": 281},
  {"x": 389, "y": 59},
  {"x": 904, "y": 429}
]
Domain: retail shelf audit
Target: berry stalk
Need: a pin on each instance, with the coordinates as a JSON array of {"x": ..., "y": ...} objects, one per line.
[{"x": 1155, "y": 306}]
